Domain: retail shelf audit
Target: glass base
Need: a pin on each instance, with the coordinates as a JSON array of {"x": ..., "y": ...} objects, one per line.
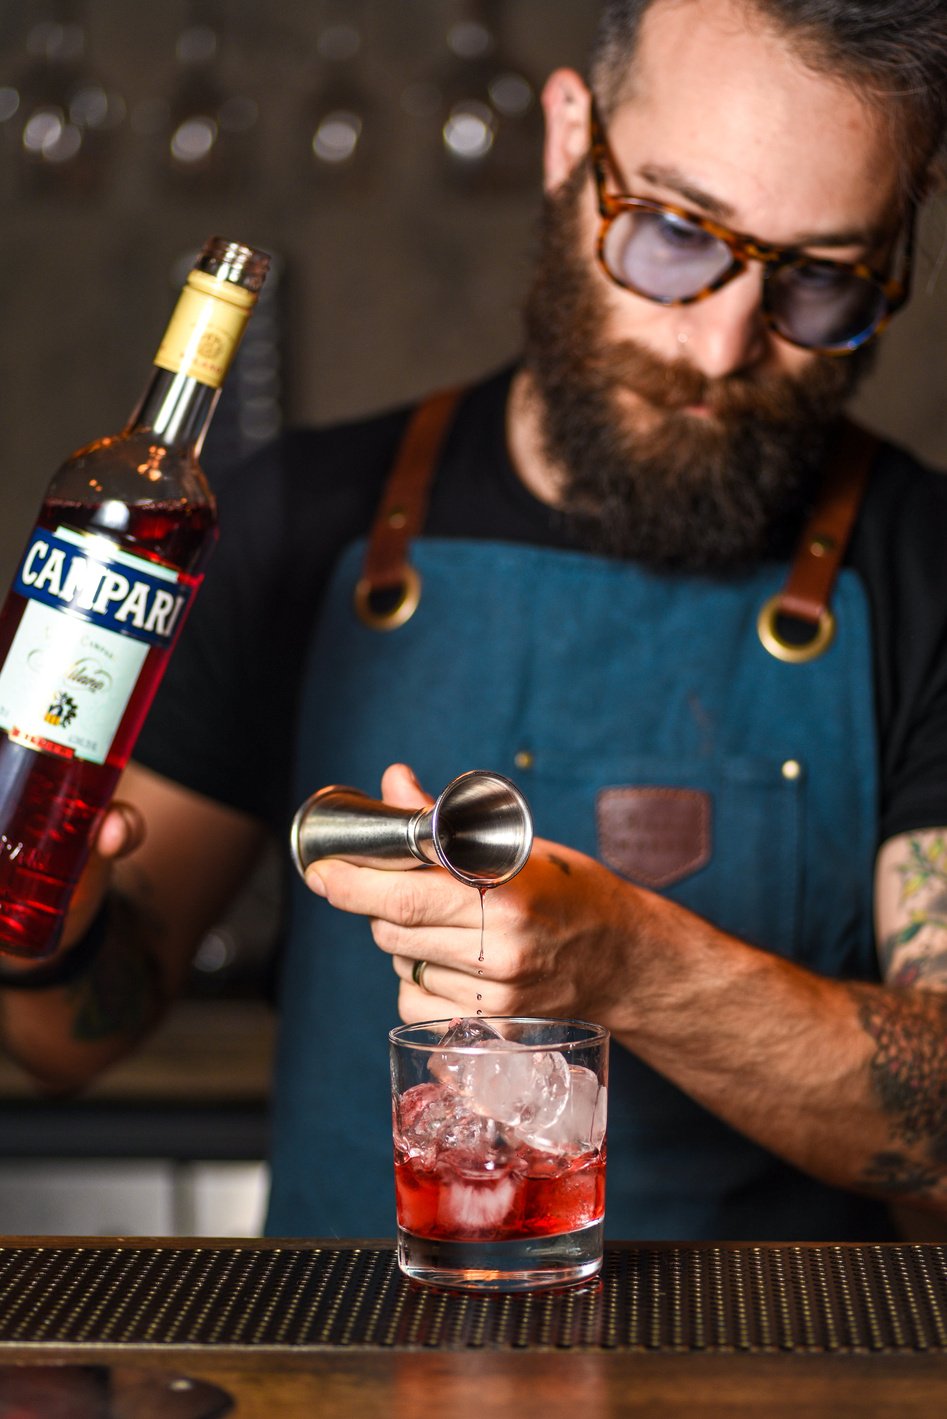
[{"x": 525, "y": 1264}]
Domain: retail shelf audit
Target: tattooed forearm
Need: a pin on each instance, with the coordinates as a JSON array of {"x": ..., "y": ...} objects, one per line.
[{"x": 909, "y": 1070}]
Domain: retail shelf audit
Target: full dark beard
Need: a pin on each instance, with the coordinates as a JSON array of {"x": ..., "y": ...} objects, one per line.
[{"x": 665, "y": 487}]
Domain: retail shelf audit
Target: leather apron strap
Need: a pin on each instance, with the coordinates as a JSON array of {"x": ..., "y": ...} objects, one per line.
[
  {"x": 389, "y": 589},
  {"x": 797, "y": 624},
  {"x": 388, "y": 592}
]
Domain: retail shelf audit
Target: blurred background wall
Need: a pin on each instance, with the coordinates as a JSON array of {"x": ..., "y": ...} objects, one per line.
[{"x": 315, "y": 128}]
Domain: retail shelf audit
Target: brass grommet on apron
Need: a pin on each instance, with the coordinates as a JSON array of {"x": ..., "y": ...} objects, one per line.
[
  {"x": 808, "y": 589},
  {"x": 389, "y": 590},
  {"x": 793, "y": 652},
  {"x": 402, "y": 608}
]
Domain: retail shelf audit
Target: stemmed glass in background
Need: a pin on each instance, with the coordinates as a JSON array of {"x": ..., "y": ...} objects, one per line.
[
  {"x": 341, "y": 115},
  {"x": 480, "y": 103},
  {"x": 60, "y": 115},
  {"x": 208, "y": 119}
]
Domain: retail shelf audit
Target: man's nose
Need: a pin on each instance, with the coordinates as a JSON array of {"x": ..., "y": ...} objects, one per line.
[{"x": 726, "y": 332}]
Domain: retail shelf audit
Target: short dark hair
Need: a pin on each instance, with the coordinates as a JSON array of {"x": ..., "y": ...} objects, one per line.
[{"x": 895, "y": 51}]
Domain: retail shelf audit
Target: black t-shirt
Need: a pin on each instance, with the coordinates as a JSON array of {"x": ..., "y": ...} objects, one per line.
[{"x": 224, "y": 721}]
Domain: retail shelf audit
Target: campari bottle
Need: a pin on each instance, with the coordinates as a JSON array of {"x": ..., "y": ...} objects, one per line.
[{"x": 100, "y": 596}]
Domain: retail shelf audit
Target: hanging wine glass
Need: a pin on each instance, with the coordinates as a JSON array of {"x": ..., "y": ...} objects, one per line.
[
  {"x": 340, "y": 119},
  {"x": 483, "y": 104},
  {"x": 61, "y": 115},
  {"x": 206, "y": 124}
]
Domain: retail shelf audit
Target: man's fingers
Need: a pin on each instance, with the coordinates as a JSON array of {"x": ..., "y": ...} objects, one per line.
[
  {"x": 455, "y": 946},
  {"x": 442, "y": 994},
  {"x": 400, "y": 788},
  {"x": 120, "y": 832},
  {"x": 422, "y": 896}
]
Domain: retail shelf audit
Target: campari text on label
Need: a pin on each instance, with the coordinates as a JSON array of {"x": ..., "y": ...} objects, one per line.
[{"x": 93, "y": 577}]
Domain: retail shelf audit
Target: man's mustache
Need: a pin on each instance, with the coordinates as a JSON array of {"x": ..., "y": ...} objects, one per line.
[{"x": 673, "y": 385}]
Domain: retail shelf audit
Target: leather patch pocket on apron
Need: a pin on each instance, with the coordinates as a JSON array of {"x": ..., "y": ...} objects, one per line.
[
  {"x": 722, "y": 839},
  {"x": 655, "y": 836}
]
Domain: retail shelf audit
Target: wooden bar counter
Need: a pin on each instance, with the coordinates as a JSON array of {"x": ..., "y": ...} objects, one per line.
[{"x": 197, "y": 1327}]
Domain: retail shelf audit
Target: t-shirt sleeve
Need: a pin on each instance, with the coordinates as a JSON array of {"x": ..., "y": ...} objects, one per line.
[{"x": 901, "y": 538}]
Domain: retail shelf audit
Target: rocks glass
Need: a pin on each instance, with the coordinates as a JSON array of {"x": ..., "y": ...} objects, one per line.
[{"x": 499, "y": 1142}]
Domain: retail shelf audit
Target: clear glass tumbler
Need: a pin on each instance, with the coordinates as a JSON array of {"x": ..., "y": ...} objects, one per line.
[{"x": 499, "y": 1143}]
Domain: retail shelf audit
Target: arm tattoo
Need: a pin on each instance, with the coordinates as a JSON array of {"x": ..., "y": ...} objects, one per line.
[
  {"x": 924, "y": 890},
  {"x": 899, "y": 1176},
  {"x": 932, "y": 966},
  {"x": 909, "y": 1077}
]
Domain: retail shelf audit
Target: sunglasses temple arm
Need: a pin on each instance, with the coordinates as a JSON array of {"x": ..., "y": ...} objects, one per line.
[{"x": 907, "y": 274}]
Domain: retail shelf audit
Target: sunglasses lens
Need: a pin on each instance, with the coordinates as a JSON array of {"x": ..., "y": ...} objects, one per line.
[
  {"x": 821, "y": 307},
  {"x": 662, "y": 256},
  {"x": 666, "y": 258}
]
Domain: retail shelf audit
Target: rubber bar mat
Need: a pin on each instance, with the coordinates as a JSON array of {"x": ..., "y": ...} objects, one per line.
[{"x": 766, "y": 1298}]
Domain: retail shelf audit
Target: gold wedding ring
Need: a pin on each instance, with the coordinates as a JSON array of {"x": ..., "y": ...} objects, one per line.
[{"x": 417, "y": 974}]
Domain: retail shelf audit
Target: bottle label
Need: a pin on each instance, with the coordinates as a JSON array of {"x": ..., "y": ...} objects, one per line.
[
  {"x": 93, "y": 613},
  {"x": 205, "y": 329}
]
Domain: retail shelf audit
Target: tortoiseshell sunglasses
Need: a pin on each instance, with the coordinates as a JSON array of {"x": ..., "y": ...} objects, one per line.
[{"x": 669, "y": 255}]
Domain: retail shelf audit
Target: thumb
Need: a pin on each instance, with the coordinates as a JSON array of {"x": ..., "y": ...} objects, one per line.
[
  {"x": 400, "y": 788},
  {"x": 121, "y": 830}
]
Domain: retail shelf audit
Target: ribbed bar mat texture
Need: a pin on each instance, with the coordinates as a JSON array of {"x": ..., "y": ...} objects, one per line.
[{"x": 704, "y": 1298}]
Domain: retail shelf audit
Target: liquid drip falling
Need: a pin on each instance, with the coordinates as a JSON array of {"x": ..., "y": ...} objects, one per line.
[{"x": 483, "y": 898}]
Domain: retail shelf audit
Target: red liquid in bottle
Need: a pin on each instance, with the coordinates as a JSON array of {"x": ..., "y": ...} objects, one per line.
[{"x": 50, "y": 802}]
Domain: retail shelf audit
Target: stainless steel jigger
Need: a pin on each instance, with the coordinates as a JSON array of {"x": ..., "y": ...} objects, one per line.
[{"x": 480, "y": 829}]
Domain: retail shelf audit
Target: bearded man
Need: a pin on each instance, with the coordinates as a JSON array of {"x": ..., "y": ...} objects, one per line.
[{"x": 653, "y": 574}]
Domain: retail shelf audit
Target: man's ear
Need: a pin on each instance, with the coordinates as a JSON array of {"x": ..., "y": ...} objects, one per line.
[{"x": 566, "y": 105}]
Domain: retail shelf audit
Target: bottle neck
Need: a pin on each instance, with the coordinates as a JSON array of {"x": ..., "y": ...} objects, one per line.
[{"x": 175, "y": 409}]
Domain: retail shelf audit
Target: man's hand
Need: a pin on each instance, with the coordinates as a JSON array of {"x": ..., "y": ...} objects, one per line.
[
  {"x": 170, "y": 886},
  {"x": 120, "y": 832},
  {"x": 845, "y": 1080},
  {"x": 554, "y": 941}
]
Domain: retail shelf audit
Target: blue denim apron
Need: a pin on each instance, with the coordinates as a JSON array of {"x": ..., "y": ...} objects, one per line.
[{"x": 606, "y": 676}]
